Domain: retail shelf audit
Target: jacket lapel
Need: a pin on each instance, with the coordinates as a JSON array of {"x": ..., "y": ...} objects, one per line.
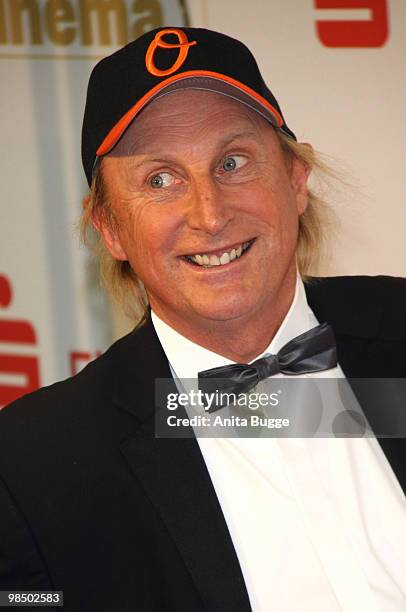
[
  {"x": 361, "y": 355},
  {"x": 175, "y": 478}
]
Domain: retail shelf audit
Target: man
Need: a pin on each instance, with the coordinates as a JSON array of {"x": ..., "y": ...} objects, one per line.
[{"x": 199, "y": 193}]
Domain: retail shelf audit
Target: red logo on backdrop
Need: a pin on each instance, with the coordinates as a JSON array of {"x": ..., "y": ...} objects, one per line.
[
  {"x": 19, "y": 374},
  {"x": 351, "y": 33},
  {"x": 183, "y": 47}
]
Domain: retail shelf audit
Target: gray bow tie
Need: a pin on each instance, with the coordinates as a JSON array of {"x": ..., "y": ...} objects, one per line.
[{"x": 313, "y": 351}]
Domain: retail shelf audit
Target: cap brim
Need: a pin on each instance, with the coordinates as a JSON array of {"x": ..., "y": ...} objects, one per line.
[{"x": 195, "y": 79}]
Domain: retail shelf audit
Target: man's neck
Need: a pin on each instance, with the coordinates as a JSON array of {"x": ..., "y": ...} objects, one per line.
[{"x": 241, "y": 340}]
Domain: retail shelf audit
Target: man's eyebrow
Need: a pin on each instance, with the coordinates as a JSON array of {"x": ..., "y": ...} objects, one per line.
[
  {"x": 238, "y": 135},
  {"x": 134, "y": 161}
]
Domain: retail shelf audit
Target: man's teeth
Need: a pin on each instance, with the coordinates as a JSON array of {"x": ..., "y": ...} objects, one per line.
[{"x": 208, "y": 261}]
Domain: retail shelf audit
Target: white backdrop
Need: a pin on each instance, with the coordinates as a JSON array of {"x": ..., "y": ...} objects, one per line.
[{"x": 341, "y": 85}]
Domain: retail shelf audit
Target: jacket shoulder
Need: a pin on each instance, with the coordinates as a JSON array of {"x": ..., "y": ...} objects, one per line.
[
  {"x": 360, "y": 305},
  {"x": 90, "y": 380},
  {"x": 52, "y": 414}
]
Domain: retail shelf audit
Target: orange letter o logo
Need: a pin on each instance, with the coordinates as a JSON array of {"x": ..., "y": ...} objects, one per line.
[{"x": 183, "y": 47}]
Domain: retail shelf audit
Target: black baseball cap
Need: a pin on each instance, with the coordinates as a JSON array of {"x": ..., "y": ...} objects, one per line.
[{"x": 162, "y": 61}]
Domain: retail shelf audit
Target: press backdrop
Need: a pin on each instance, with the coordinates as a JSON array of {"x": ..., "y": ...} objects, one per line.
[{"x": 337, "y": 67}]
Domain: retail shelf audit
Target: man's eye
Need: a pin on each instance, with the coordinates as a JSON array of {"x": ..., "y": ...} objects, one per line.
[
  {"x": 163, "y": 179},
  {"x": 232, "y": 162}
]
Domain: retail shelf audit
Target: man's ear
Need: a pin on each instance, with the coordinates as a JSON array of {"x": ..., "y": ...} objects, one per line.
[
  {"x": 300, "y": 172},
  {"x": 109, "y": 235}
]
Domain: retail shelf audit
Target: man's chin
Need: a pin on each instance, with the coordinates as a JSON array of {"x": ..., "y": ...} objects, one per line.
[{"x": 225, "y": 311}]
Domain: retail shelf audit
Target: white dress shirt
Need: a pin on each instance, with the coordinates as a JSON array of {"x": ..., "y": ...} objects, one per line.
[{"x": 318, "y": 524}]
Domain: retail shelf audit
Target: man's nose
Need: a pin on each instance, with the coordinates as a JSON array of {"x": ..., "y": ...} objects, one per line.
[{"x": 209, "y": 209}]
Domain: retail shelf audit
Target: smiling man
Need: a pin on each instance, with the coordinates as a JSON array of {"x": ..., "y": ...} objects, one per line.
[
  {"x": 207, "y": 229},
  {"x": 209, "y": 206}
]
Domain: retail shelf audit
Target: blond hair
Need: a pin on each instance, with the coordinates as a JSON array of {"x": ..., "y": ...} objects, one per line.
[{"x": 118, "y": 278}]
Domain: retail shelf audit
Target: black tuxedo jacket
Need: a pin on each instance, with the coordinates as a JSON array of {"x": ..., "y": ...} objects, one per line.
[{"x": 92, "y": 504}]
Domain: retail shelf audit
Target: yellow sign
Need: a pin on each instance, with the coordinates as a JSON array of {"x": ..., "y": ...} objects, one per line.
[{"x": 80, "y": 28}]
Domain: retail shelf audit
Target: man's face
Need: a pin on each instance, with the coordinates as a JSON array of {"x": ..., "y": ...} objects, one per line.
[{"x": 206, "y": 207}]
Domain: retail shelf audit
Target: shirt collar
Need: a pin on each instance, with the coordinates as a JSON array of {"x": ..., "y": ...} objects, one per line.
[{"x": 187, "y": 358}]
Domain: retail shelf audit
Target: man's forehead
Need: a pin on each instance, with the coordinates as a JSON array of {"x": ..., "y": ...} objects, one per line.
[{"x": 173, "y": 115}]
